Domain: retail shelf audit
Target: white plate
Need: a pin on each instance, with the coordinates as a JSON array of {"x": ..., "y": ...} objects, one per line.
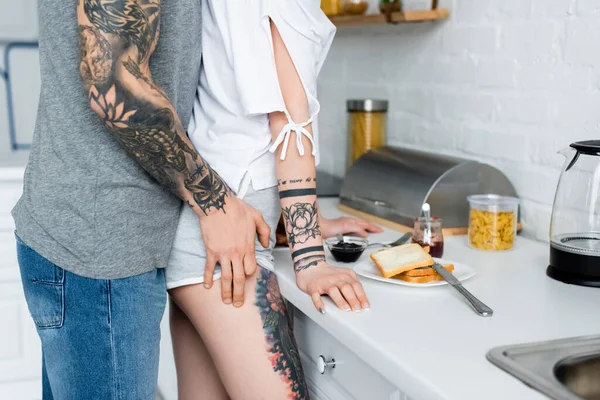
[{"x": 368, "y": 269}]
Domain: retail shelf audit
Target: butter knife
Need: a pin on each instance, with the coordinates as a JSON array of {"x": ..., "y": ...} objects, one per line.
[{"x": 480, "y": 308}]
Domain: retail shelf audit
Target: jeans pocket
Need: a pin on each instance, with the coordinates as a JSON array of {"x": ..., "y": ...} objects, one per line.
[{"x": 43, "y": 284}]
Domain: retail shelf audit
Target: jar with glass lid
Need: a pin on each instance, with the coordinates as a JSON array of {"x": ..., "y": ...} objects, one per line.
[{"x": 367, "y": 126}]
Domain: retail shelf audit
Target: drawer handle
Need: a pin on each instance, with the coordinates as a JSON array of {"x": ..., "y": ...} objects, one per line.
[{"x": 323, "y": 364}]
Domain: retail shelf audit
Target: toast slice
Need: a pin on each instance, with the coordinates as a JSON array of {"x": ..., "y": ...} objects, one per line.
[
  {"x": 419, "y": 279},
  {"x": 425, "y": 271},
  {"x": 399, "y": 259}
]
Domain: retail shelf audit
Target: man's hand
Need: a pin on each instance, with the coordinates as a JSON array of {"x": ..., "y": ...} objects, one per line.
[
  {"x": 347, "y": 225},
  {"x": 229, "y": 240}
]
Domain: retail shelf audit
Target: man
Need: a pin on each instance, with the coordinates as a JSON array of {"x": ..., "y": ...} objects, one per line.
[{"x": 109, "y": 167}]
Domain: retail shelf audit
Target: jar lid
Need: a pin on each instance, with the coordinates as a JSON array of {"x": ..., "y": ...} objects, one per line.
[
  {"x": 493, "y": 202},
  {"x": 368, "y": 105},
  {"x": 591, "y": 147}
]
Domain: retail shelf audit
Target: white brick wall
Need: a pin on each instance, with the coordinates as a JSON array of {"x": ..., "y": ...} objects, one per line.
[{"x": 507, "y": 82}]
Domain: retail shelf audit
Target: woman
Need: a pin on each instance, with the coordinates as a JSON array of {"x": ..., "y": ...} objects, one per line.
[{"x": 254, "y": 124}]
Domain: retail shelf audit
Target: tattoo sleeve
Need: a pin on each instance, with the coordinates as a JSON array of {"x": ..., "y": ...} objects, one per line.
[{"x": 116, "y": 40}]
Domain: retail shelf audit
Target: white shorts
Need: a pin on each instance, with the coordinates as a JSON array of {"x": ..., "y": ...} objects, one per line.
[{"x": 188, "y": 255}]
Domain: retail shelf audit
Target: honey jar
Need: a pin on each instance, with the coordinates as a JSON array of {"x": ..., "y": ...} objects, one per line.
[
  {"x": 367, "y": 126},
  {"x": 492, "y": 221},
  {"x": 435, "y": 241},
  {"x": 332, "y": 8}
]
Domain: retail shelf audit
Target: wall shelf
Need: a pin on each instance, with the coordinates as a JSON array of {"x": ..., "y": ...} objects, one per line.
[{"x": 395, "y": 17}]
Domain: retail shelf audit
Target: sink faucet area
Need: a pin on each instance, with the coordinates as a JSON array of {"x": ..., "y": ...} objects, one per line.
[{"x": 565, "y": 369}]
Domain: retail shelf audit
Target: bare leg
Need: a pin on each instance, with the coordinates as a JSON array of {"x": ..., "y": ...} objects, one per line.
[
  {"x": 197, "y": 376},
  {"x": 253, "y": 347}
]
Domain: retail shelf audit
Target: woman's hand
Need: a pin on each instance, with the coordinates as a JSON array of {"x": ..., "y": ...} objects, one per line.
[
  {"x": 229, "y": 240},
  {"x": 340, "y": 284},
  {"x": 347, "y": 225}
]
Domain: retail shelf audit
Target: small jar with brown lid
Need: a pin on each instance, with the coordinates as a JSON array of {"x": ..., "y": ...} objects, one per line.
[{"x": 367, "y": 126}]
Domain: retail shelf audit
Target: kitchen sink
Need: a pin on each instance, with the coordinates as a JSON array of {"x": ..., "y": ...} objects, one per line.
[
  {"x": 565, "y": 369},
  {"x": 581, "y": 375}
]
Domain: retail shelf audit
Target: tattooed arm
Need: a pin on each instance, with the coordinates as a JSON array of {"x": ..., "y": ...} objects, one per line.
[
  {"x": 297, "y": 191},
  {"x": 117, "y": 38}
]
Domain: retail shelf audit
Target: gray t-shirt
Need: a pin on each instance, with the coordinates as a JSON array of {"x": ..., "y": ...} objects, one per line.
[{"x": 86, "y": 206}]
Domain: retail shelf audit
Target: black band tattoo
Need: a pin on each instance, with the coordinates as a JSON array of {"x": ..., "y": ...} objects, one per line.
[
  {"x": 281, "y": 344},
  {"x": 297, "y": 193},
  {"x": 308, "y": 262},
  {"x": 115, "y": 48},
  {"x": 301, "y": 222},
  {"x": 306, "y": 250}
]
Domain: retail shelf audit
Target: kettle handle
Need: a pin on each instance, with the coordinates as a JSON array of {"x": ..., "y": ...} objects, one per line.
[{"x": 573, "y": 161}]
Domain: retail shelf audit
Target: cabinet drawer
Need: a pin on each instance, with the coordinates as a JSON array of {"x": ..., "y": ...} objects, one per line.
[{"x": 350, "y": 373}]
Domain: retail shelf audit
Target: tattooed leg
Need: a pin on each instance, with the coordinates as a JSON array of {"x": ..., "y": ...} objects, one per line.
[
  {"x": 253, "y": 347},
  {"x": 281, "y": 343}
]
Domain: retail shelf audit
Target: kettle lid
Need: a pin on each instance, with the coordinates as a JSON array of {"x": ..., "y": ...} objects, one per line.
[{"x": 591, "y": 147}]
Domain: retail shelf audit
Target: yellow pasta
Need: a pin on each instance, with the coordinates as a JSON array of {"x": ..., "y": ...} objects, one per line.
[
  {"x": 367, "y": 131},
  {"x": 490, "y": 230}
]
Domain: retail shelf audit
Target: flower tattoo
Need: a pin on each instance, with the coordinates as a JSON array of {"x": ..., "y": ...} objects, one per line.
[
  {"x": 302, "y": 222},
  {"x": 106, "y": 106}
]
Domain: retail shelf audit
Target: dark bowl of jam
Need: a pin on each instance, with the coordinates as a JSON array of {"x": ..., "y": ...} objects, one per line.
[{"x": 347, "y": 250}]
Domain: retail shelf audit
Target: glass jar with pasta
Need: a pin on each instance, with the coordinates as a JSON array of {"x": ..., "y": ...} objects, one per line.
[
  {"x": 492, "y": 221},
  {"x": 367, "y": 126}
]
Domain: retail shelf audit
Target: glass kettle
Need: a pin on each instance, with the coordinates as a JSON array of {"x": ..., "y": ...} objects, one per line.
[{"x": 575, "y": 224}]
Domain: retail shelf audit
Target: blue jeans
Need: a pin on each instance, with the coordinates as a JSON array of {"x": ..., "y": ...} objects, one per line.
[{"x": 100, "y": 338}]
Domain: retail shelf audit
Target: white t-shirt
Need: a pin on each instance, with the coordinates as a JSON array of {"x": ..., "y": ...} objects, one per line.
[{"x": 239, "y": 87}]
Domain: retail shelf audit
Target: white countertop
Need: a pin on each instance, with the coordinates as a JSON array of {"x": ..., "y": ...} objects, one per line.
[{"x": 429, "y": 342}]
